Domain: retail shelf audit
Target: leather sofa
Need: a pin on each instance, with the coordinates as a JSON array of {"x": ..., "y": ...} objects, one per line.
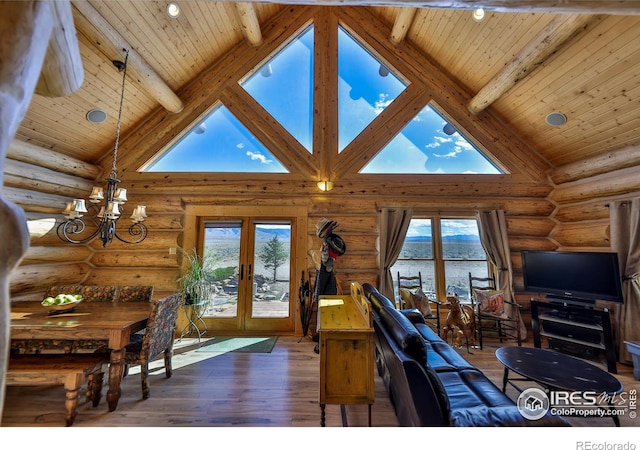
[{"x": 429, "y": 382}]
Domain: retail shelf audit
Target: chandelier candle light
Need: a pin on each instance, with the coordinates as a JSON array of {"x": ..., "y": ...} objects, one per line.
[{"x": 106, "y": 215}]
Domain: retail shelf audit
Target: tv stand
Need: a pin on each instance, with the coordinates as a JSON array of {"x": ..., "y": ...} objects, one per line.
[{"x": 569, "y": 328}]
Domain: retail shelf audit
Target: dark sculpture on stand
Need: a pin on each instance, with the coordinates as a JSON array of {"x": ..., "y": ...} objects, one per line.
[{"x": 332, "y": 247}]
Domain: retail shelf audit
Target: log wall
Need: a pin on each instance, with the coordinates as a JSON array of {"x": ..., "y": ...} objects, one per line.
[{"x": 569, "y": 213}]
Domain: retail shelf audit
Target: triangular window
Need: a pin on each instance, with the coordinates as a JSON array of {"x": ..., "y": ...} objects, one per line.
[
  {"x": 219, "y": 143},
  {"x": 284, "y": 87},
  {"x": 365, "y": 88},
  {"x": 430, "y": 144}
]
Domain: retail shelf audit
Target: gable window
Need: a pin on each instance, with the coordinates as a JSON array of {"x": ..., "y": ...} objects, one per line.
[
  {"x": 284, "y": 87},
  {"x": 220, "y": 143},
  {"x": 430, "y": 144},
  {"x": 444, "y": 251},
  {"x": 281, "y": 89},
  {"x": 365, "y": 88}
]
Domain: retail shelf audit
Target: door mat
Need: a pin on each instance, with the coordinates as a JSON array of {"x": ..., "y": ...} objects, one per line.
[{"x": 224, "y": 344}]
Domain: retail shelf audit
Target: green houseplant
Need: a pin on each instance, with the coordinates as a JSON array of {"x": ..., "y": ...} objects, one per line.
[{"x": 193, "y": 283}]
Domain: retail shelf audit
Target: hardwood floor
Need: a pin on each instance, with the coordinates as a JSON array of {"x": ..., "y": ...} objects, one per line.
[{"x": 277, "y": 389}]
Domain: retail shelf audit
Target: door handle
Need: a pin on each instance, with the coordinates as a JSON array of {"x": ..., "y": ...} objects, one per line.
[
  {"x": 249, "y": 273},
  {"x": 242, "y": 271}
]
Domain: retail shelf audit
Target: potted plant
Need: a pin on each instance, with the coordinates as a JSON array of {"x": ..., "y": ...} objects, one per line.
[{"x": 193, "y": 282}]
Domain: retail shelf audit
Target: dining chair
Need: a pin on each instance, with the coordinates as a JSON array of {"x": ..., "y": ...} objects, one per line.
[
  {"x": 157, "y": 339},
  {"x": 488, "y": 304},
  {"x": 412, "y": 296}
]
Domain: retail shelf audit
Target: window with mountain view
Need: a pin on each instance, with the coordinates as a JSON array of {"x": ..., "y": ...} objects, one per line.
[{"x": 444, "y": 251}]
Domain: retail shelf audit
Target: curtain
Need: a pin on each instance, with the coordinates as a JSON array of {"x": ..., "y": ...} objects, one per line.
[
  {"x": 495, "y": 241},
  {"x": 625, "y": 240},
  {"x": 394, "y": 223}
]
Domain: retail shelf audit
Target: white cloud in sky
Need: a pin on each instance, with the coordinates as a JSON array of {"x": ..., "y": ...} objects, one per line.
[{"x": 260, "y": 157}]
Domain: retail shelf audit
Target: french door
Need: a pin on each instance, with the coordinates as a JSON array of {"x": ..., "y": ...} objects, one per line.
[{"x": 248, "y": 260}]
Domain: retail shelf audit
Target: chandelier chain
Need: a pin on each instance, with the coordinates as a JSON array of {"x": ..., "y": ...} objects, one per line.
[{"x": 115, "y": 148}]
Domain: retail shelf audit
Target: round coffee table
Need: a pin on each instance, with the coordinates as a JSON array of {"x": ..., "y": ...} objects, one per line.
[{"x": 555, "y": 371}]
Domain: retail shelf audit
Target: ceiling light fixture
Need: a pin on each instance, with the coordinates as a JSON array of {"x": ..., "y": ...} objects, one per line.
[
  {"x": 104, "y": 217},
  {"x": 556, "y": 119},
  {"x": 478, "y": 15},
  {"x": 325, "y": 186},
  {"x": 173, "y": 10}
]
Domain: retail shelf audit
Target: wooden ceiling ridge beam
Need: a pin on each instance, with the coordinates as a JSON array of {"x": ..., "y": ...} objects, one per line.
[
  {"x": 620, "y": 7},
  {"x": 547, "y": 42},
  {"x": 96, "y": 28},
  {"x": 401, "y": 26},
  {"x": 250, "y": 24}
]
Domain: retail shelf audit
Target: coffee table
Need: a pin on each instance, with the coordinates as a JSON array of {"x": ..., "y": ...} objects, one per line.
[{"x": 555, "y": 371}]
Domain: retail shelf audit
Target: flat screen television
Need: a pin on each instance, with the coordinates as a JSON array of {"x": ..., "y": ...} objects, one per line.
[{"x": 581, "y": 277}]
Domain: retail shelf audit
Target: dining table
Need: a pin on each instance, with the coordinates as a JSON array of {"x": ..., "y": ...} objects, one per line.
[{"x": 111, "y": 323}]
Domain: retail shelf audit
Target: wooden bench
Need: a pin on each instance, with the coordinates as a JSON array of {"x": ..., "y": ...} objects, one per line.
[{"x": 69, "y": 370}]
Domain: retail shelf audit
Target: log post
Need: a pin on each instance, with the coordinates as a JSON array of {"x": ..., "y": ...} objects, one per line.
[{"x": 26, "y": 28}]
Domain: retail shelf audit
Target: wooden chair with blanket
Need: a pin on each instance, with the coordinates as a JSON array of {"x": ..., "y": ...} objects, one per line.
[
  {"x": 412, "y": 296},
  {"x": 491, "y": 316}
]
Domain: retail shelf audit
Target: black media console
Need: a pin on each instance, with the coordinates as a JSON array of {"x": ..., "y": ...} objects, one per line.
[{"x": 578, "y": 330}]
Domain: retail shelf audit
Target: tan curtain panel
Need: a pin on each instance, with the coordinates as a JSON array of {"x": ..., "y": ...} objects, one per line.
[
  {"x": 394, "y": 223},
  {"x": 495, "y": 241},
  {"x": 625, "y": 240}
]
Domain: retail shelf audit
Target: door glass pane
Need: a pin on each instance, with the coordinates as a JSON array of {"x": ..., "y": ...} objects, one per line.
[
  {"x": 271, "y": 260},
  {"x": 222, "y": 260}
]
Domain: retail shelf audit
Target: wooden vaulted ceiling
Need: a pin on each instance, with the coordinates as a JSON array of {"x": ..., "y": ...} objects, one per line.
[{"x": 525, "y": 60}]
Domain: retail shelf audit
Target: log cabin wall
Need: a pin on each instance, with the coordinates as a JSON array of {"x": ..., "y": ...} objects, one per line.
[{"x": 547, "y": 208}]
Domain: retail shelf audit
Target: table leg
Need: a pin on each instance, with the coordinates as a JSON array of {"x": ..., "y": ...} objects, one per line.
[
  {"x": 116, "y": 369},
  {"x": 322, "y": 415},
  {"x": 505, "y": 380},
  {"x": 343, "y": 414}
]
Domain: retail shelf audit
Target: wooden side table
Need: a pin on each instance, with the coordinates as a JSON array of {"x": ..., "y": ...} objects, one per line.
[{"x": 345, "y": 328}]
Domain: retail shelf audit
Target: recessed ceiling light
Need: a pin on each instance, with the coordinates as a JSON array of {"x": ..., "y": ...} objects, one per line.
[
  {"x": 556, "y": 119},
  {"x": 478, "y": 15},
  {"x": 173, "y": 10},
  {"x": 96, "y": 116}
]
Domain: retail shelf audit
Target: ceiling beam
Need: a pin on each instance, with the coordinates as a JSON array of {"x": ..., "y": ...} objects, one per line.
[
  {"x": 103, "y": 36},
  {"x": 547, "y": 42},
  {"x": 62, "y": 72},
  {"x": 402, "y": 24},
  {"x": 619, "y": 7},
  {"x": 250, "y": 24}
]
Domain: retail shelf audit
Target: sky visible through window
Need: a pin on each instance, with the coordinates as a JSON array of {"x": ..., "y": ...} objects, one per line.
[{"x": 283, "y": 85}]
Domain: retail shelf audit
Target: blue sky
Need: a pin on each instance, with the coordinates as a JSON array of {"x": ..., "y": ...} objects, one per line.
[{"x": 284, "y": 87}]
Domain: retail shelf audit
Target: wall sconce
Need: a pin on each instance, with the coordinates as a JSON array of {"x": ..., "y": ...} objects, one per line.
[{"x": 325, "y": 186}]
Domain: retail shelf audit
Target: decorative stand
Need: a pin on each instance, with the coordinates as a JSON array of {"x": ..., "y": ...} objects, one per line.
[{"x": 196, "y": 325}]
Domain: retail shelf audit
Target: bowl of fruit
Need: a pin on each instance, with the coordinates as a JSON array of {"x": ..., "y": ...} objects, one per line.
[{"x": 61, "y": 303}]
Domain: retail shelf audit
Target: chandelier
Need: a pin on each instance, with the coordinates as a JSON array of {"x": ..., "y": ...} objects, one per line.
[{"x": 105, "y": 206}]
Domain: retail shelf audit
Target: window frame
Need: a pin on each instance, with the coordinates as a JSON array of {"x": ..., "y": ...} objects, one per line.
[{"x": 438, "y": 259}]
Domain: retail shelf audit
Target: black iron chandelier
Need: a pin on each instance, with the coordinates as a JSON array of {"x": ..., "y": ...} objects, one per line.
[{"x": 105, "y": 208}]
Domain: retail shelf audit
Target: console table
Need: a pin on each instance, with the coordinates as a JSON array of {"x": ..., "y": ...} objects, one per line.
[
  {"x": 345, "y": 328},
  {"x": 574, "y": 329}
]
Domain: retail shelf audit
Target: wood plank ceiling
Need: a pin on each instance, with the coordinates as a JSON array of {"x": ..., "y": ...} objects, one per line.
[{"x": 520, "y": 63}]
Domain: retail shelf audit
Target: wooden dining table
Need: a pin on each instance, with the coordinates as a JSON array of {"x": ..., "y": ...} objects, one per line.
[{"x": 110, "y": 322}]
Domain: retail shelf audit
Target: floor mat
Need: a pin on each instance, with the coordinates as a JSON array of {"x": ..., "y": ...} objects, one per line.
[{"x": 242, "y": 344}]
